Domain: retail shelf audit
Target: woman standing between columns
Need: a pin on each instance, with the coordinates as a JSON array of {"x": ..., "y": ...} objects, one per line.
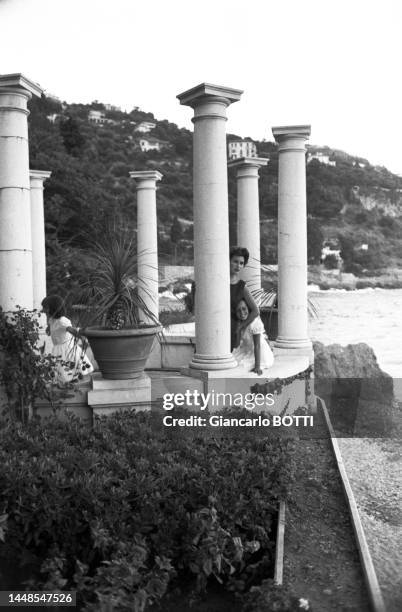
[{"x": 238, "y": 291}]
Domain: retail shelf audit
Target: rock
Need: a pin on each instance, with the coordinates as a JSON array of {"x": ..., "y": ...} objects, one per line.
[{"x": 359, "y": 395}]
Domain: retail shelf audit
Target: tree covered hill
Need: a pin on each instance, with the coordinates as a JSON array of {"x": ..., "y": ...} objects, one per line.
[{"x": 351, "y": 203}]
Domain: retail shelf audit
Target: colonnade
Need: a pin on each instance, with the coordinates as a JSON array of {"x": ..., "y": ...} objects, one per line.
[
  {"x": 22, "y": 239},
  {"x": 211, "y": 228}
]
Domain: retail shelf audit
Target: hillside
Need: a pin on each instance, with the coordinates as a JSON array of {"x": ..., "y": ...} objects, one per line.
[{"x": 352, "y": 205}]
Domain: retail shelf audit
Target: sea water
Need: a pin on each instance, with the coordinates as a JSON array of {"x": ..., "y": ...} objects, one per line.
[{"x": 373, "y": 316}]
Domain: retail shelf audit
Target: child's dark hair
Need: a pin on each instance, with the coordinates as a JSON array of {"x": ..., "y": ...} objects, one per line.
[
  {"x": 238, "y": 304},
  {"x": 241, "y": 251},
  {"x": 55, "y": 306}
]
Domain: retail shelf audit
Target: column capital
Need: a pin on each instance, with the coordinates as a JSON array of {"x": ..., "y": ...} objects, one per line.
[
  {"x": 209, "y": 101},
  {"x": 38, "y": 176},
  {"x": 20, "y": 84},
  {"x": 291, "y": 137},
  {"x": 248, "y": 162},
  {"x": 206, "y": 92},
  {"x": 146, "y": 175}
]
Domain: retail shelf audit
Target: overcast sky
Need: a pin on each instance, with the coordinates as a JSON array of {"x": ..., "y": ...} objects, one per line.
[{"x": 335, "y": 65}]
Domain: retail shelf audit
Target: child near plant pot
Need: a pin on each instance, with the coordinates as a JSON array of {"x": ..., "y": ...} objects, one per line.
[{"x": 72, "y": 361}]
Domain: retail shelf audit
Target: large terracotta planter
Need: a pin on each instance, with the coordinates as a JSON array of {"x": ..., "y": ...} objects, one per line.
[{"x": 122, "y": 353}]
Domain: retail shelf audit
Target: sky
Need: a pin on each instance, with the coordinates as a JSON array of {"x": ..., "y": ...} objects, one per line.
[{"x": 334, "y": 65}]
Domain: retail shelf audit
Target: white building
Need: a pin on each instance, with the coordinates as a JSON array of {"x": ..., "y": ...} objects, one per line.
[
  {"x": 326, "y": 250},
  {"x": 323, "y": 158},
  {"x": 359, "y": 164},
  {"x": 96, "y": 116},
  {"x": 145, "y": 126},
  {"x": 241, "y": 148},
  {"x": 111, "y": 107},
  {"x": 152, "y": 144}
]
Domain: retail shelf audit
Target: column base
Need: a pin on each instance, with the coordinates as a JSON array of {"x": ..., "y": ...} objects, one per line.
[
  {"x": 294, "y": 347},
  {"x": 293, "y": 343},
  {"x": 213, "y": 362}
]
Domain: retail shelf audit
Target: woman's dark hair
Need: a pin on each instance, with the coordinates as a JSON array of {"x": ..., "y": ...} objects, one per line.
[
  {"x": 241, "y": 251},
  {"x": 55, "y": 306}
]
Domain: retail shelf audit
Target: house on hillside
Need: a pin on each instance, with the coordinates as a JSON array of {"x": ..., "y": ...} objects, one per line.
[
  {"x": 241, "y": 148},
  {"x": 322, "y": 157},
  {"x": 96, "y": 116},
  {"x": 331, "y": 248},
  {"x": 152, "y": 144},
  {"x": 111, "y": 107},
  {"x": 145, "y": 126}
]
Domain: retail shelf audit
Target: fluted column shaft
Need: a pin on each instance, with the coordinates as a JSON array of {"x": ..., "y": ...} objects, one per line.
[
  {"x": 37, "y": 178},
  {"x": 292, "y": 238},
  {"x": 15, "y": 213},
  {"x": 211, "y": 226},
  {"x": 248, "y": 216},
  {"x": 147, "y": 240}
]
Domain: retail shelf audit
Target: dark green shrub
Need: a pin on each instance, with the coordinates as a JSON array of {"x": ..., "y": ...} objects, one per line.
[
  {"x": 331, "y": 262},
  {"x": 25, "y": 373},
  {"x": 117, "y": 511}
]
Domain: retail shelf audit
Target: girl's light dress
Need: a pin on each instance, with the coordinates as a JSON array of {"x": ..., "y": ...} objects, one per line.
[
  {"x": 66, "y": 347},
  {"x": 244, "y": 353}
]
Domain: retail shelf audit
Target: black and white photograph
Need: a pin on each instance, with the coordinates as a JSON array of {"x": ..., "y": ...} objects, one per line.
[{"x": 200, "y": 305}]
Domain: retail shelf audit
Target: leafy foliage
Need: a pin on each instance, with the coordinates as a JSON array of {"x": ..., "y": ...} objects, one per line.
[
  {"x": 25, "y": 373},
  {"x": 118, "y": 511},
  {"x": 109, "y": 294}
]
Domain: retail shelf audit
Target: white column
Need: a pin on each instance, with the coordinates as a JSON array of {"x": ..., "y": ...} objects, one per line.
[
  {"x": 292, "y": 237},
  {"x": 147, "y": 239},
  {"x": 248, "y": 216},
  {"x": 211, "y": 226},
  {"x": 15, "y": 213},
  {"x": 37, "y": 178}
]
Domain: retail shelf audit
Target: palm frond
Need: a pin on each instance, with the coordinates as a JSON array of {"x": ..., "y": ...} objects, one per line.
[{"x": 113, "y": 283}]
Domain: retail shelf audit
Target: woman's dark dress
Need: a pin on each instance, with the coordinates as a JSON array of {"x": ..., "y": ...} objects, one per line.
[{"x": 236, "y": 294}]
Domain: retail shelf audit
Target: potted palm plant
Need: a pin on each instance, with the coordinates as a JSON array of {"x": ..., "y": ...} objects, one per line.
[{"x": 119, "y": 325}]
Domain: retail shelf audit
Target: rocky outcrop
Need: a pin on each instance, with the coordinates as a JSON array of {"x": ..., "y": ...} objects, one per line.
[
  {"x": 358, "y": 394},
  {"x": 383, "y": 200}
]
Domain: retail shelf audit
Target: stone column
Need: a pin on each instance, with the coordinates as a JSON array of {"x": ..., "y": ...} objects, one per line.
[
  {"x": 211, "y": 227},
  {"x": 292, "y": 238},
  {"x": 147, "y": 239},
  {"x": 248, "y": 216},
  {"x": 37, "y": 178},
  {"x": 15, "y": 214}
]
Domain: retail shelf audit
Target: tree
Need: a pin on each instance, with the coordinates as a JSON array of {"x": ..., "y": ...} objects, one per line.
[
  {"x": 176, "y": 232},
  {"x": 347, "y": 251},
  {"x": 331, "y": 262},
  {"x": 315, "y": 238},
  {"x": 73, "y": 140}
]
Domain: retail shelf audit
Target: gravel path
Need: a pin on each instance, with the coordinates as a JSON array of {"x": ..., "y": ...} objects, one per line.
[
  {"x": 374, "y": 468},
  {"x": 321, "y": 561}
]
